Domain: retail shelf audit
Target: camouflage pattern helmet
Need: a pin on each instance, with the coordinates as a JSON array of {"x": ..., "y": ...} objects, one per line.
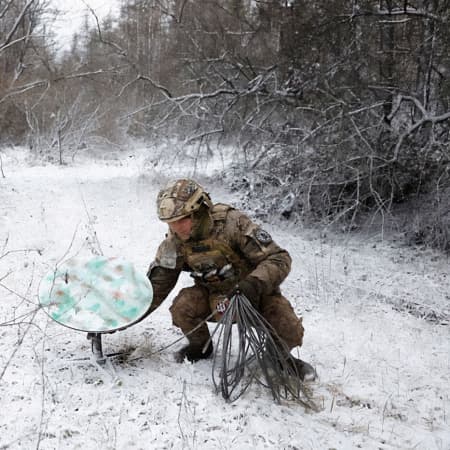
[{"x": 180, "y": 198}]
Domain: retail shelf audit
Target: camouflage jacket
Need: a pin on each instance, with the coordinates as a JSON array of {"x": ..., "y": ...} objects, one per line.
[{"x": 232, "y": 248}]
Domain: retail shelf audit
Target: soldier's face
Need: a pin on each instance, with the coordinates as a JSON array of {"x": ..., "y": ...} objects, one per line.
[{"x": 182, "y": 228}]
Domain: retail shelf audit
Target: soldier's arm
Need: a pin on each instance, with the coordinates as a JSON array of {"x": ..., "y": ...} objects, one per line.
[
  {"x": 163, "y": 272},
  {"x": 271, "y": 263}
]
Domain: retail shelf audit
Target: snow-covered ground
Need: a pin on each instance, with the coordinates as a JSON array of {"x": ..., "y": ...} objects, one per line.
[{"x": 384, "y": 372}]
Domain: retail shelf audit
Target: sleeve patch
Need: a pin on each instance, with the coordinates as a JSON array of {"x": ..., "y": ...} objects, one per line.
[{"x": 262, "y": 236}]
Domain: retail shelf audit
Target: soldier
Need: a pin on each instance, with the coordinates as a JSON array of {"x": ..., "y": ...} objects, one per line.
[{"x": 225, "y": 252}]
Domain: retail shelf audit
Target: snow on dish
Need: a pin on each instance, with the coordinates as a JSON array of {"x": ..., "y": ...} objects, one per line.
[{"x": 96, "y": 294}]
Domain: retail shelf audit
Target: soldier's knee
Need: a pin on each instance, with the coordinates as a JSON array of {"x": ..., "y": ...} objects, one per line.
[
  {"x": 291, "y": 331},
  {"x": 285, "y": 322},
  {"x": 298, "y": 333},
  {"x": 190, "y": 303}
]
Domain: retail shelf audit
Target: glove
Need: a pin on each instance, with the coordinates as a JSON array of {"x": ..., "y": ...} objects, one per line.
[{"x": 251, "y": 288}]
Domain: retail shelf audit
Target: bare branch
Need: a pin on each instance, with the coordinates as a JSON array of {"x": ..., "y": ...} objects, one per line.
[
  {"x": 46, "y": 83},
  {"x": 16, "y": 41},
  {"x": 163, "y": 89},
  {"x": 5, "y": 9},
  {"x": 99, "y": 31},
  {"x": 16, "y": 24},
  {"x": 16, "y": 348},
  {"x": 407, "y": 11},
  {"x": 202, "y": 135},
  {"x": 1, "y": 167},
  {"x": 426, "y": 118}
]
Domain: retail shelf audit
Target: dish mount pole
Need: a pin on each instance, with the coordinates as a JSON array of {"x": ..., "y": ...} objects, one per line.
[{"x": 96, "y": 345}]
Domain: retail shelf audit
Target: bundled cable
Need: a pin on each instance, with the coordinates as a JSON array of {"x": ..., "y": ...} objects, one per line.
[{"x": 255, "y": 355}]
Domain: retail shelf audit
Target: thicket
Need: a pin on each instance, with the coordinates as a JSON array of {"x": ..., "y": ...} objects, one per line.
[{"x": 339, "y": 109}]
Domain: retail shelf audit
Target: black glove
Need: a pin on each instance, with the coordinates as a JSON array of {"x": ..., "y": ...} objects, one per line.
[{"x": 251, "y": 288}]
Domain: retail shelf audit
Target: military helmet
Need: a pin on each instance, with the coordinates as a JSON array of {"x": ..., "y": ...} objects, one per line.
[{"x": 181, "y": 198}]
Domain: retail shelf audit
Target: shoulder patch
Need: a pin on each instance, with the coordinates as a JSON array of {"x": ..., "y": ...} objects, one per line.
[{"x": 262, "y": 236}]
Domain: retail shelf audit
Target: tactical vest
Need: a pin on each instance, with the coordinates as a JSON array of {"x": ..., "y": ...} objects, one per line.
[{"x": 212, "y": 262}]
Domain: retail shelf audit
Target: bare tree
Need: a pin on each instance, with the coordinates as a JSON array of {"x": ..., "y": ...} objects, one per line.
[{"x": 341, "y": 106}]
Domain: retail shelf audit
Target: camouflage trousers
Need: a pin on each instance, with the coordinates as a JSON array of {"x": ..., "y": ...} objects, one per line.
[{"x": 194, "y": 304}]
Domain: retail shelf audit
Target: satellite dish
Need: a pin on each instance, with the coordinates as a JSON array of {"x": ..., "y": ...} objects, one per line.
[{"x": 97, "y": 295}]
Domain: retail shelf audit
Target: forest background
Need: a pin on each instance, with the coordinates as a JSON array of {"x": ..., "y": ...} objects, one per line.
[{"x": 337, "y": 111}]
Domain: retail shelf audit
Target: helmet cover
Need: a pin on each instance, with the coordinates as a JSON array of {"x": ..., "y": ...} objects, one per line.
[{"x": 180, "y": 198}]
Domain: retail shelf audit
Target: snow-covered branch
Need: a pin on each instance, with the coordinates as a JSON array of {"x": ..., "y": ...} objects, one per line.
[{"x": 16, "y": 25}]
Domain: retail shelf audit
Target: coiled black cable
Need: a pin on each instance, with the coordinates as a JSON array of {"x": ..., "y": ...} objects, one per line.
[{"x": 260, "y": 357}]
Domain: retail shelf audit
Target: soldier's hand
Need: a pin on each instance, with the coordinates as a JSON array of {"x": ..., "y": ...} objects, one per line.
[{"x": 251, "y": 288}]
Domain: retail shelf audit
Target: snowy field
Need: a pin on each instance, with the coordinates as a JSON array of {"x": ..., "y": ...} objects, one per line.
[{"x": 384, "y": 370}]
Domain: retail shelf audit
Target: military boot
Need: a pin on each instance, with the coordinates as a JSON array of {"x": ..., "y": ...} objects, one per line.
[
  {"x": 305, "y": 371},
  {"x": 193, "y": 352},
  {"x": 300, "y": 368}
]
